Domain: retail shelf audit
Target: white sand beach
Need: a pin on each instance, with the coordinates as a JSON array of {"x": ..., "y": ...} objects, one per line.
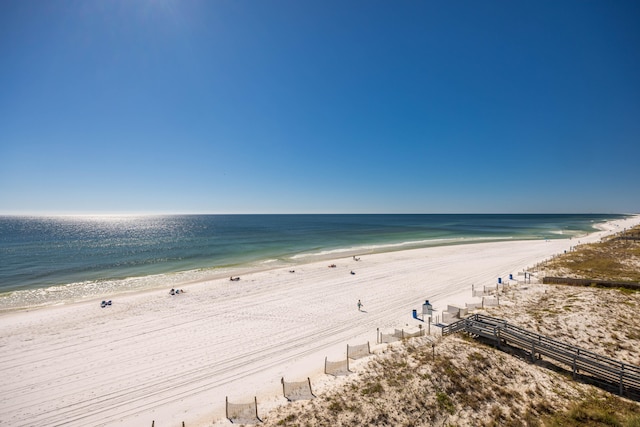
[{"x": 167, "y": 358}]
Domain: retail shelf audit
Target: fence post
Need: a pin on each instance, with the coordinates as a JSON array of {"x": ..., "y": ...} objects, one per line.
[
  {"x": 533, "y": 352},
  {"x": 255, "y": 399}
]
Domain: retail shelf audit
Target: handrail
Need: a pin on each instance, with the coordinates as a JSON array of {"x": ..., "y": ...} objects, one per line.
[{"x": 601, "y": 367}]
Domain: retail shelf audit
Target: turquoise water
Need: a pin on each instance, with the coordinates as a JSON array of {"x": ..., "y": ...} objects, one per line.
[{"x": 47, "y": 260}]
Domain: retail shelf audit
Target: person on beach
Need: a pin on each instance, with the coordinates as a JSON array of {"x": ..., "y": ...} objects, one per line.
[{"x": 359, "y": 305}]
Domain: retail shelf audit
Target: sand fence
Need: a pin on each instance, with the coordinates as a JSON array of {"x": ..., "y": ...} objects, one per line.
[
  {"x": 247, "y": 413},
  {"x": 297, "y": 390},
  {"x": 243, "y": 413},
  {"x": 358, "y": 351},
  {"x": 337, "y": 368},
  {"x": 399, "y": 335}
]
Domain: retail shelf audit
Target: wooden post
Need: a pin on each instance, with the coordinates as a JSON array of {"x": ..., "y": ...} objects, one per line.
[
  {"x": 621, "y": 377},
  {"x": 533, "y": 352},
  {"x": 377, "y": 335},
  {"x": 325, "y": 365},
  {"x": 284, "y": 392},
  {"x": 310, "y": 391},
  {"x": 226, "y": 406},
  {"x": 255, "y": 399}
]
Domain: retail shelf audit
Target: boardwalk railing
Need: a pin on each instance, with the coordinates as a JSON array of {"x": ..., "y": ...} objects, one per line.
[{"x": 602, "y": 368}]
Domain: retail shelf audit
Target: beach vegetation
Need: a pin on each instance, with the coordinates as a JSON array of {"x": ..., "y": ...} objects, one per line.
[
  {"x": 372, "y": 389},
  {"x": 288, "y": 420},
  {"x": 597, "y": 410},
  {"x": 445, "y": 402},
  {"x": 613, "y": 259},
  {"x": 336, "y": 405}
]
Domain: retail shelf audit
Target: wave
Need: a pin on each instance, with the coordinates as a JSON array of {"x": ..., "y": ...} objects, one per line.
[{"x": 398, "y": 245}]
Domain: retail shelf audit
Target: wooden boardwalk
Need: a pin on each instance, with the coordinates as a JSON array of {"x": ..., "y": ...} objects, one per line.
[{"x": 623, "y": 376}]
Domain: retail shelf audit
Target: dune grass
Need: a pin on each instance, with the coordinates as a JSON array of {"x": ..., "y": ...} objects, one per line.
[
  {"x": 612, "y": 259},
  {"x": 597, "y": 411}
]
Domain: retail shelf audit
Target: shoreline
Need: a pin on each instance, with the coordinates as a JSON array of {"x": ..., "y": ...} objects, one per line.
[
  {"x": 152, "y": 356},
  {"x": 91, "y": 290},
  {"x": 193, "y": 277}
]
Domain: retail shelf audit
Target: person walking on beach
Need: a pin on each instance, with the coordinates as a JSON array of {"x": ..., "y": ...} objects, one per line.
[{"x": 359, "y": 305}]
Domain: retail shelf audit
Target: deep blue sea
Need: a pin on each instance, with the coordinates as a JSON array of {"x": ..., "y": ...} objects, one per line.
[{"x": 47, "y": 260}]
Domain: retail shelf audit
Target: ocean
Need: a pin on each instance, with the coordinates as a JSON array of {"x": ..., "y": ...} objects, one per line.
[{"x": 58, "y": 259}]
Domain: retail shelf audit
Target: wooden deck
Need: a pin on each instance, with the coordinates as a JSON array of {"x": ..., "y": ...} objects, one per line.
[{"x": 623, "y": 376}]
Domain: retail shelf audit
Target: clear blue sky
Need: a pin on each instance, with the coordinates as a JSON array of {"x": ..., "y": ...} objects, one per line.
[{"x": 272, "y": 106}]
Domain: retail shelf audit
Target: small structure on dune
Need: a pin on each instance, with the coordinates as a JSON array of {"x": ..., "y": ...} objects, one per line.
[{"x": 243, "y": 413}]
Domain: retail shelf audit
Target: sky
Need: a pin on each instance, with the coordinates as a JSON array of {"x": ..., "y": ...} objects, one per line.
[{"x": 277, "y": 106}]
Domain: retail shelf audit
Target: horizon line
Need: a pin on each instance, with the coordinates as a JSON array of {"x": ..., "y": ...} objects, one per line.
[{"x": 131, "y": 214}]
